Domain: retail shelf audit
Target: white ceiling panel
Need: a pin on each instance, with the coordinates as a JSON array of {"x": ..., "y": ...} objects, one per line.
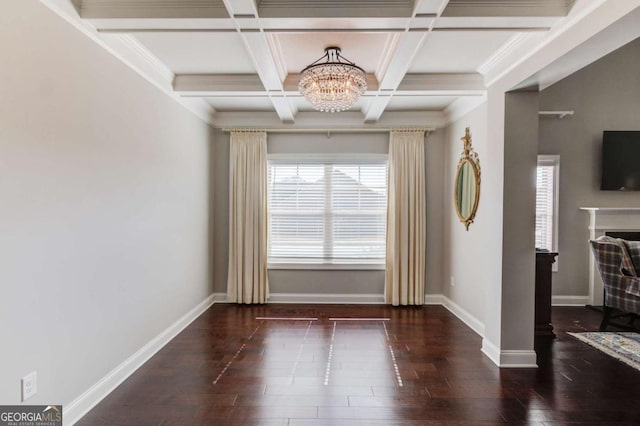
[
  {"x": 301, "y": 49},
  {"x": 240, "y": 103},
  {"x": 323, "y": 24},
  {"x": 419, "y": 103},
  {"x": 199, "y": 53},
  {"x": 457, "y": 51}
]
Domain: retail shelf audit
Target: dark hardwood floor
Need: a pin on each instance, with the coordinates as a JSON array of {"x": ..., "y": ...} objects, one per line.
[{"x": 422, "y": 367}]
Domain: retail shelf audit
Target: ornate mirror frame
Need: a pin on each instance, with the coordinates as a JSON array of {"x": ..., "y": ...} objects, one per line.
[{"x": 468, "y": 156}]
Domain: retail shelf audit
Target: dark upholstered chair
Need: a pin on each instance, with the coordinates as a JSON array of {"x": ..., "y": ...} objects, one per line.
[{"x": 615, "y": 260}]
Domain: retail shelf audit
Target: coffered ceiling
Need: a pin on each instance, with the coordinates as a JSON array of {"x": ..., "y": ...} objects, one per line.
[{"x": 240, "y": 59}]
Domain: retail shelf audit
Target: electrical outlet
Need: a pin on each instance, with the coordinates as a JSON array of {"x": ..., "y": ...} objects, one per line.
[
  {"x": 453, "y": 281},
  {"x": 29, "y": 385}
]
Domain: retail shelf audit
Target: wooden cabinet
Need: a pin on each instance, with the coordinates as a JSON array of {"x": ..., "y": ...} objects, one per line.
[{"x": 544, "y": 261}]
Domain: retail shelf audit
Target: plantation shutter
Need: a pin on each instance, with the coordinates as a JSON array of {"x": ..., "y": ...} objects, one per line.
[
  {"x": 327, "y": 211},
  {"x": 545, "y": 203}
]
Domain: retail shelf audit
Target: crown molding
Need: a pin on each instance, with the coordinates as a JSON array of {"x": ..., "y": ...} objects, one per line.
[
  {"x": 581, "y": 25},
  {"x": 510, "y": 46},
  {"x": 133, "y": 55},
  {"x": 139, "y": 49},
  {"x": 462, "y": 106}
]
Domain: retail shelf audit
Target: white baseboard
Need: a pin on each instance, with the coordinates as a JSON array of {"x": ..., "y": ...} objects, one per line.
[
  {"x": 507, "y": 358},
  {"x": 429, "y": 299},
  {"x": 570, "y": 300},
  {"x": 323, "y": 298},
  {"x": 433, "y": 299},
  {"x": 219, "y": 297},
  {"x": 92, "y": 396},
  {"x": 317, "y": 298},
  {"x": 463, "y": 315}
]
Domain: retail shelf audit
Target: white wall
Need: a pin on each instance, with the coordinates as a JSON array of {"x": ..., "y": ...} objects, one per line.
[
  {"x": 605, "y": 96},
  {"x": 325, "y": 281},
  {"x": 465, "y": 251},
  {"x": 104, "y": 208}
]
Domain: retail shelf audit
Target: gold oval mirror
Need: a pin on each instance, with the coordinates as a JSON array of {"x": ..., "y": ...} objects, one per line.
[{"x": 467, "y": 185}]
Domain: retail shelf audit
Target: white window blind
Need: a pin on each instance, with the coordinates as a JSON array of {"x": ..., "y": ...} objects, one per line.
[
  {"x": 327, "y": 211},
  {"x": 546, "y": 202}
]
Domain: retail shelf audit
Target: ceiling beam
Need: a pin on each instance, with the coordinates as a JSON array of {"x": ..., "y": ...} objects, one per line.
[
  {"x": 258, "y": 48},
  {"x": 397, "y": 60},
  {"x": 110, "y": 16},
  {"x": 283, "y": 108},
  {"x": 441, "y": 82},
  {"x": 291, "y": 82},
  {"x": 415, "y": 84},
  {"x": 401, "y": 59},
  {"x": 376, "y": 108},
  {"x": 264, "y": 56}
]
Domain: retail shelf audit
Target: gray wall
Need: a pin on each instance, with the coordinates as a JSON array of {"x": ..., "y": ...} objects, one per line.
[
  {"x": 518, "y": 242},
  {"x": 104, "y": 217},
  {"x": 464, "y": 251},
  {"x": 327, "y": 281},
  {"x": 605, "y": 96}
]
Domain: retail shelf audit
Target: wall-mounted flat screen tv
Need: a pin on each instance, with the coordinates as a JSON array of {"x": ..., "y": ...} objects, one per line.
[{"x": 620, "y": 161}]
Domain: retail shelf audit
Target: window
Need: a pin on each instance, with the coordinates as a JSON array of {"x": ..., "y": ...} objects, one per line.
[
  {"x": 327, "y": 211},
  {"x": 547, "y": 202}
]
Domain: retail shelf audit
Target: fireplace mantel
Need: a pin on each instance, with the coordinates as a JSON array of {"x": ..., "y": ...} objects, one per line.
[
  {"x": 601, "y": 221},
  {"x": 612, "y": 210}
]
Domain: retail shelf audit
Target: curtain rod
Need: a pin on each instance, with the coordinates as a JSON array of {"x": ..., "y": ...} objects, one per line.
[{"x": 333, "y": 130}]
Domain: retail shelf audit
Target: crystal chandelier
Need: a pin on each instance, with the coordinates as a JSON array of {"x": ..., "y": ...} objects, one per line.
[{"x": 333, "y": 85}]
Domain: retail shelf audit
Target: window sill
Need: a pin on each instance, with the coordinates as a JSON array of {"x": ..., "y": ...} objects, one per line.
[{"x": 327, "y": 266}]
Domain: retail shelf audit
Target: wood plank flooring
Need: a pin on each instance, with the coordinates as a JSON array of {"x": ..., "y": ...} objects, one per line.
[{"x": 422, "y": 366}]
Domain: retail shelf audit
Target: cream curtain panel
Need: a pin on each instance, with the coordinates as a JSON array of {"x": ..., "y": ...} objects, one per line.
[
  {"x": 247, "y": 278},
  {"x": 406, "y": 220}
]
